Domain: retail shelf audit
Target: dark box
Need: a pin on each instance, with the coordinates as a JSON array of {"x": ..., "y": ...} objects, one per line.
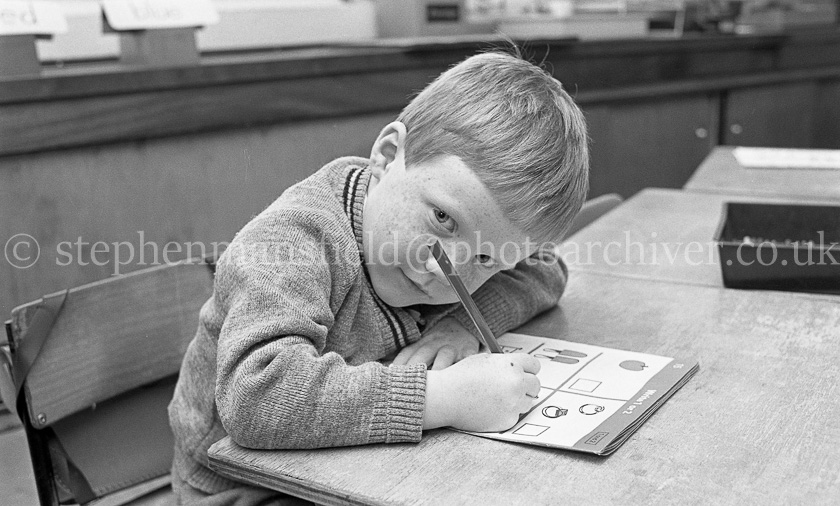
[{"x": 780, "y": 247}]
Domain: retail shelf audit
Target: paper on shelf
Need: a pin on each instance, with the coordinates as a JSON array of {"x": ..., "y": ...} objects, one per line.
[{"x": 787, "y": 158}]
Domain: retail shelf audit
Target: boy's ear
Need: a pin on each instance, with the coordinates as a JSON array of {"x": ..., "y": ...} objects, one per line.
[{"x": 389, "y": 146}]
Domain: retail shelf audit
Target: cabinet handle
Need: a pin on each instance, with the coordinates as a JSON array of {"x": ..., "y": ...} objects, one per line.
[
  {"x": 735, "y": 128},
  {"x": 701, "y": 133}
]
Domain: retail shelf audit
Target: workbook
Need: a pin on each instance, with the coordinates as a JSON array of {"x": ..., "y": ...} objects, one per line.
[{"x": 591, "y": 398}]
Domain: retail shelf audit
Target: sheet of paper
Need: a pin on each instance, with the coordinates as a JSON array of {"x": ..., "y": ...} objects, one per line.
[
  {"x": 787, "y": 158},
  {"x": 18, "y": 17},
  {"x": 589, "y": 392}
]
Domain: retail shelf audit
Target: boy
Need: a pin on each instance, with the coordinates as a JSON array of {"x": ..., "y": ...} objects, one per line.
[{"x": 491, "y": 160}]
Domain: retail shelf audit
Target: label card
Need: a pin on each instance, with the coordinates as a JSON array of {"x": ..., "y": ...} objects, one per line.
[
  {"x": 31, "y": 18},
  {"x": 127, "y": 15}
]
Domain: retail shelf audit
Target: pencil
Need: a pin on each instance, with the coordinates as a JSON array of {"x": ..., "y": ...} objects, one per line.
[{"x": 486, "y": 335}]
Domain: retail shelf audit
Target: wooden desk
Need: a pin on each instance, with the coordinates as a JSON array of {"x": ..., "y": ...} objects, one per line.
[
  {"x": 757, "y": 424},
  {"x": 720, "y": 172},
  {"x": 658, "y": 234}
]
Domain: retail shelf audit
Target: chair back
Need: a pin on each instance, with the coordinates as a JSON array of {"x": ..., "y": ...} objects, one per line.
[
  {"x": 94, "y": 369},
  {"x": 592, "y": 210}
]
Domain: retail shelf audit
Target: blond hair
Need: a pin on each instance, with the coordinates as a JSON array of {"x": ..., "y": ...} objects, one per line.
[{"x": 516, "y": 127}]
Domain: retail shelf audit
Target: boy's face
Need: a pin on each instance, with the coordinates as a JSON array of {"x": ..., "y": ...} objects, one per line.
[{"x": 408, "y": 208}]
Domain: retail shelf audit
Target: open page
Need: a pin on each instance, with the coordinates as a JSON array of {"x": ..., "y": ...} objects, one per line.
[{"x": 592, "y": 398}]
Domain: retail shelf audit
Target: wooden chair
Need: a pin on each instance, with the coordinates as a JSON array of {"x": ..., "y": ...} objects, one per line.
[
  {"x": 593, "y": 209},
  {"x": 7, "y": 419},
  {"x": 94, "y": 369}
]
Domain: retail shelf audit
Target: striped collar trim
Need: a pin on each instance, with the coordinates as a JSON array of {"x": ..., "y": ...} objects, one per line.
[
  {"x": 401, "y": 325},
  {"x": 356, "y": 181}
]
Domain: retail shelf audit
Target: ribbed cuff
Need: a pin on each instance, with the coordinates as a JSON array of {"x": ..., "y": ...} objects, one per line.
[{"x": 399, "y": 417}]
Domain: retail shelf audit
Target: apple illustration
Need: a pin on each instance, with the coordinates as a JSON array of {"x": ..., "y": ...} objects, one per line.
[
  {"x": 554, "y": 412},
  {"x": 591, "y": 409},
  {"x": 633, "y": 365}
]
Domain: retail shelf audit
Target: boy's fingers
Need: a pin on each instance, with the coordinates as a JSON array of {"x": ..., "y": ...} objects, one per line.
[
  {"x": 403, "y": 356},
  {"x": 444, "y": 358},
  {"x": 532, "y": 385},
  {"x": 400, "y": 359},
  {"x": 528, "y": 363},
  {"x": 424, "y": 355}
]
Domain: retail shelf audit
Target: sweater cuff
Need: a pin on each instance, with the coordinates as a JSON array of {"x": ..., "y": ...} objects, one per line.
[{"x": 398, "y": 418}]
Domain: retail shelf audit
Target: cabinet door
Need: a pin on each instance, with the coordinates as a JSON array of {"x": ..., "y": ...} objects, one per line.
[
  {"x": 649, "y": 143},
  {"x": 827, "y": 115},
  {"x": 779, "y": 115}
]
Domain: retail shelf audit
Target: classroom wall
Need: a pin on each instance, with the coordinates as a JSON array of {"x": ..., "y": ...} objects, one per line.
[
  {"x": 131, "y": 196},
  {"x": 99, "y": 163}
]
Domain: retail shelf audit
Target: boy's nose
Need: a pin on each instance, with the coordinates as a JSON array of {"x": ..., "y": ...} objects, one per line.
[
  {"x": 433, "y": 267},
  {"x": 456, "y": 258}
]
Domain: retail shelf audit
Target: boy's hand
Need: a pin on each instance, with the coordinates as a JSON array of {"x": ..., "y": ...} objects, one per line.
[
  {"x": 444, "y": 344},
  {"x": 482, "y": 393}
]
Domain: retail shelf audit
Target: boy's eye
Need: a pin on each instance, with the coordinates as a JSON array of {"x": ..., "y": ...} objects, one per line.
[
  {"x": 444, "y": 219},
  {"x": 485, "y": 260}
]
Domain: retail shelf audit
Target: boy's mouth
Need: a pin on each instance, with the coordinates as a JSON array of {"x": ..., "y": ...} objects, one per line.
[{"x": 419, "y": 286}]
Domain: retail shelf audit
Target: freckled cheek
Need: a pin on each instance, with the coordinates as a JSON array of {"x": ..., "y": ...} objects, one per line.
[
  {"x": 461, "y": 254},
  {"x": 386, "y": 243},
  {"x": 404, "y": 240},
  {"x": 475, "y": 277}
]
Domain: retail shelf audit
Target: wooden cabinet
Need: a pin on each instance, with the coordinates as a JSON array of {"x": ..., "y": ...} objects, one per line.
[
  {"x": 826, "y": 122},
  {"x": 107, "y": 210},
  {"x": 779, "y": 115},
  {"x": 652, "y": 142},
  {"x": 802, "y": 114}
]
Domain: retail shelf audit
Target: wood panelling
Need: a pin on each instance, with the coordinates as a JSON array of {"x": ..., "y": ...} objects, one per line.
[
  {"x": 85, "y": 121},
  {"x": 135, "y": 198}
]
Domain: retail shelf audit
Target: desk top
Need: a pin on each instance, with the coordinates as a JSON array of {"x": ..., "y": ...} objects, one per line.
[
  {"x": 757, "y": 424},
  {"x": 720, "y": 172},
  {"x": 659, "y": 234}
]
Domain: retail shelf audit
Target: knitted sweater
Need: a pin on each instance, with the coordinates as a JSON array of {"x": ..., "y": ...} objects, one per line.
[{"x": 286, "y": 353}]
